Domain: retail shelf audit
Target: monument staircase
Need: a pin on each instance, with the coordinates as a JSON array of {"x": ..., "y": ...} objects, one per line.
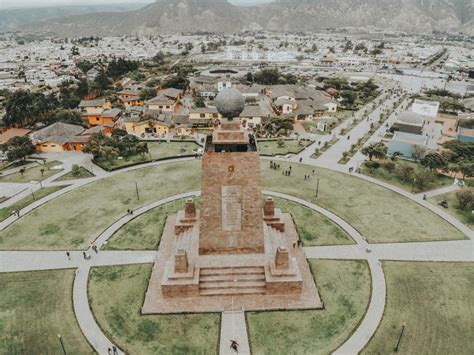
[{"x": 231, "y": 280}]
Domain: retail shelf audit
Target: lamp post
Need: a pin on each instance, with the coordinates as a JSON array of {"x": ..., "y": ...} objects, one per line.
[
  {"x": 136, "y": 190},
  {"x": 413, "y": 185},
  {"x": 317, "y": 188},
  {"x": 62, "y": 344}
]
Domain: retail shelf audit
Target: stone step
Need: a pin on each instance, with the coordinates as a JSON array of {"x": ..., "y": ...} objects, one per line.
[
  {"x": 231, "y": 284},
  {"x": 232, "y": 277},
  {"x": 233, "y": 291},
  {"x": 231, "y": 271}
]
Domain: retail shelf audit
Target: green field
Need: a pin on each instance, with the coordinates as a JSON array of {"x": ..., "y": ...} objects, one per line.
[
  {"x": 344, "y": 287},
  {"x": 39, "y": 194},
  {"x": 35, "y": 307},
  {"x": 118, "y": 314},
  {"x": 313, "y": 228},
  {"x": 271, "y": 148},
  {"x": 464, "y": 216},
  {"x": 382, "y": 216},
  {"x": 144, "y": 232},
  {"x": 33, "y": 173},
  {"x": 434, "y": 301},
  {"x": 157, "y": 151},
  {"x": 74, "y": 220},
  {"x": 394, "y": 178},
  {"x": 82, "y": 174}
]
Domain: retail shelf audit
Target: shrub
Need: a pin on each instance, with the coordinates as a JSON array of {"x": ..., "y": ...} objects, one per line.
[{"x": 466, "y": 199}]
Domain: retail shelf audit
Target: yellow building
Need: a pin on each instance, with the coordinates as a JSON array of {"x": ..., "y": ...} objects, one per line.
[{"x": 146, "y": 126}]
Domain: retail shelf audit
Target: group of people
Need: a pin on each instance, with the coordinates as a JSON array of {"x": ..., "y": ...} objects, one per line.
[
  {"x": 112, "y": 351},
  {"x": 274, "y": 166}
]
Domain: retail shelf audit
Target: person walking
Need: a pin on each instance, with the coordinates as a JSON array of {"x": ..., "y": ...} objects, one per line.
[
  {"x": 68, "y": 255},
  {"x": 234, "y": 346}
]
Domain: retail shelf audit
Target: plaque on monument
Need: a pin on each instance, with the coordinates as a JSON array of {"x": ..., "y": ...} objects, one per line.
[{"x": 231, "y": 208}]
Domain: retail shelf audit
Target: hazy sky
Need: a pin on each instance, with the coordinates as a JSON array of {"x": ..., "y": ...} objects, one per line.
[{"x": 27, "y": 3}]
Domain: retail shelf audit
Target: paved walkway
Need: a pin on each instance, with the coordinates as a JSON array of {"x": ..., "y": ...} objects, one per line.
[{"x": 233, "y": 327}]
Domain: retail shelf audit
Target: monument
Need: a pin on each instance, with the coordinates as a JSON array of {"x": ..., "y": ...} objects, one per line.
[{"x": 237, "y": 250}]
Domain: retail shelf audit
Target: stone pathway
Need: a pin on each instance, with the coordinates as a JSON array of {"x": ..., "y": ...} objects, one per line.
[{"x": 234, "y": 327}]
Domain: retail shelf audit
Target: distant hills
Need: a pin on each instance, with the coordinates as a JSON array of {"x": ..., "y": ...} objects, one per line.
[
  {"x": 176, "y": 16},
  {"x": 14, "y": 19}
]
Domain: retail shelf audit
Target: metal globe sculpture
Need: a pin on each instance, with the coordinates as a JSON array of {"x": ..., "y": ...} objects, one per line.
[{"x": 230, "y": 103}]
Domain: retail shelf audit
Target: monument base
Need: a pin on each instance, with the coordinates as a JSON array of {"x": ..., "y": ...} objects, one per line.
[{"x": 183, "y": 281}]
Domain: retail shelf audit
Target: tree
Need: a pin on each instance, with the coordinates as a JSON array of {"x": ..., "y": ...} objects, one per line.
[
  {"x": 159, "y": 58},
  {"x": 433, "y": 160},
  {"x": 424, "y": 177},
  {"x": 466, "y": 169},
  {"x": 372, "y": 165},
  {"x": 406, "y": 172},
  {"x": 82, "y": 88},
  {"x": 109, "y": 153},
  {"x": 249, "y": 77},
  {"x": 375, "y": 150},
  {"x": 199, "y": 102},
  {"x": 466, "y": 199},
  {"x": 18, "y": 148},
  {"x": 142, "y": 148},
  {"x": 147, "y": 93},
  {"x": 84, "y": 66},
  {"x": 389, "y": 166},
  {"x": 75, "y": 170},
  {"x": 64, "y": 116},
  {"x": 102, "y": 81},
  {"x": 178, "y": 82},
  {"x": 419, "y": 152}
]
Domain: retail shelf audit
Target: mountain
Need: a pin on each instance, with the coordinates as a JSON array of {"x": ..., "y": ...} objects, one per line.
[
  {"x": 177, "y": 16},
  {"x": 14, "y": 19}
]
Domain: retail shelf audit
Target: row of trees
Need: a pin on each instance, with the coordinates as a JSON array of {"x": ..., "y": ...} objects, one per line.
[
  {"x": 271, "y": 76},
  {"x": 118, "y": 144},
  {"x": 24, "y": 107}
]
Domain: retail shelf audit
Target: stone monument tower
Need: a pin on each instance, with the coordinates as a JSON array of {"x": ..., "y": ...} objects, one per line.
[
  {"x": 231, "y": 214},
  {"x": 237, "y": 250}
]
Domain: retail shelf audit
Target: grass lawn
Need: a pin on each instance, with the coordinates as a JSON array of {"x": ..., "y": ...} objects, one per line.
[
  {"x": 34, "y": 308},
  {"x": 45, "y": 191},
  {"x": 463, "y": 216},
  {"x": 313, "y": 228},
  {"x": 6, "y": 165},
  {"x": 33, "y": 173},
  {"x": 345, "y": 289},
  {"x": 116, "y": 295},
  {"x": 74, "y": 220},
  {"x": 144, "y": 232},
  {"x": 271, "y": 148},
  {"x": 395, "y": 178},
  {"x": 82, "y": 174},
  {"x": 157, "y": 150},
  {"x": 434, "y": 301},
  {"x": 379, "y": 214}
]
